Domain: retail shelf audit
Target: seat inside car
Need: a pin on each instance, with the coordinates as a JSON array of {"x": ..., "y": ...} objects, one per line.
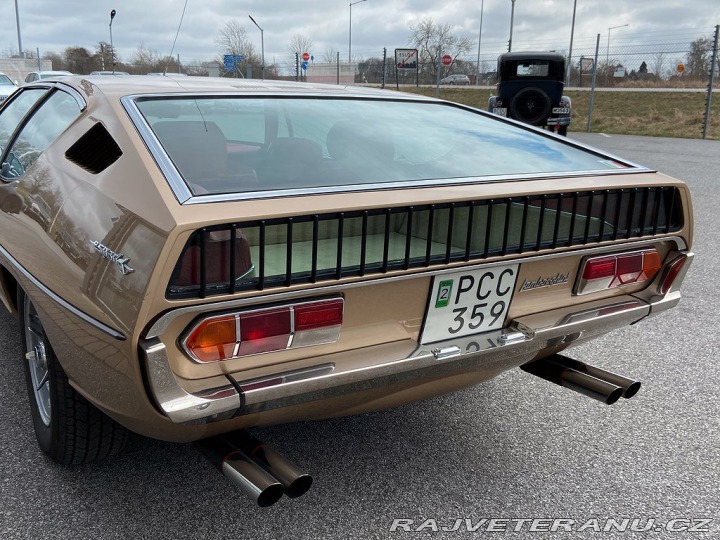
[{"x": 199, "y": 150}]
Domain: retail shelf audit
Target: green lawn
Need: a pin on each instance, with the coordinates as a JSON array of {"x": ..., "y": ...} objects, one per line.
[{"x": 656, "y": 114}]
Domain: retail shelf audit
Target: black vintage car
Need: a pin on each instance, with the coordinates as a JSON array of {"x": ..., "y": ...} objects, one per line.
[{"x": 530, "y": 88}]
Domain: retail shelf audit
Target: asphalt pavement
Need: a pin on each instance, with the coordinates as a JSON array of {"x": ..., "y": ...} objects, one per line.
[{"x": 515, "y": 449}]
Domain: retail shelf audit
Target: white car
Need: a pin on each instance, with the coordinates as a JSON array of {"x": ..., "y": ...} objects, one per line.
[
  {"x": 35, "y": 76},
  {"x": 7, "y": 86}
]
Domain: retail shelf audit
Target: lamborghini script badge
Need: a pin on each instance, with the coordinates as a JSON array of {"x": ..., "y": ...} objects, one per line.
[{"x": 117, "y": 258}]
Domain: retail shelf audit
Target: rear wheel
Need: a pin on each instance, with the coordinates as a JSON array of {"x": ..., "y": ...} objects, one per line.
[
  {"x": 562, "y": 130},
  {"x": 68, "y": 428}
]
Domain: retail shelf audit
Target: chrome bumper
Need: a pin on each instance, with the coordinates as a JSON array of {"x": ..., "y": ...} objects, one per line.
[{"x": 503, "y": 349}]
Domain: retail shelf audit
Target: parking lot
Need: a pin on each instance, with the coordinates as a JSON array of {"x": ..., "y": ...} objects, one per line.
[{"x": 515, "y": 448}]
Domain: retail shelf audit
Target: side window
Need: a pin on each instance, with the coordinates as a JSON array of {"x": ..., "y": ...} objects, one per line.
[
  {"x": 45, "y": 125},
  {"x": 14, "y": 113}
]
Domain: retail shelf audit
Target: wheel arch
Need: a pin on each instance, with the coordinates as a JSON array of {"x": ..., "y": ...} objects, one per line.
[{"x": 8, "y": 290}]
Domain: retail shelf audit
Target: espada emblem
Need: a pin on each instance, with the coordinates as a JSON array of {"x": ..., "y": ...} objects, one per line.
[{"x": 118, "y": 258}]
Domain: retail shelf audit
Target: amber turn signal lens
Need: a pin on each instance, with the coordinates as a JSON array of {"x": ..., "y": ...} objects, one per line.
[{"x": 213, "y": 339}]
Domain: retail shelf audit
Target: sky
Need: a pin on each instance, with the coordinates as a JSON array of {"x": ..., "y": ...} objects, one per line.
[{"x": 53, "y": 25}]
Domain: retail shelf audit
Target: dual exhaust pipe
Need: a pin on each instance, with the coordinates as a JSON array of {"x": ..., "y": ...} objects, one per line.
[
  {"x": 590, "y": 381},
  {"x": 260, "y": 472}
]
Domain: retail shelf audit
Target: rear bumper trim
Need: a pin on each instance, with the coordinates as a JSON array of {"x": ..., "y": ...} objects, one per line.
[{"x": 506, "y": 348}]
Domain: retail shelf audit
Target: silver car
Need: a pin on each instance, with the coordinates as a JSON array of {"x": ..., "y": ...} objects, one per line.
[
  {"x": 456, "y": 79},
  {"x": 35, "y": 76}
]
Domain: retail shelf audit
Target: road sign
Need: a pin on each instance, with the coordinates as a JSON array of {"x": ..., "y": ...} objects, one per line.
[
  {"x": 230, "y": 61},
  {"x": 406, "y": 59},
  {"x": 305, "y": 56},
  {"x": 586, "y": 65},
  {"x": 304, "y": 66},
  {"x": 446, "y": 59}
]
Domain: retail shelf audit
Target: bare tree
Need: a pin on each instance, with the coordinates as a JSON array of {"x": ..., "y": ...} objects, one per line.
[
  {"x": 658, "y": 65},
  {"x": 698, "y": 60},
  {"x": 80, "y": 60},
  {"x": 57, "y": 61},
  {"x": 145, "y": 60},
  {"x": 433, "y": 39},
  {"x": 330, "y": 55},
  {"x": 104, "y": 55},
  {"x": 299, "y": 44},
  {"x": 233, "y": 39}
]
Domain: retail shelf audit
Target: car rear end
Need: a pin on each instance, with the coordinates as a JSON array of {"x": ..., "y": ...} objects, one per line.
[{"x": 348, "y": 266}]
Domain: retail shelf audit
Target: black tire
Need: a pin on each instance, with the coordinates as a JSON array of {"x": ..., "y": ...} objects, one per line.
[
  {"x": 531, "y": 105},
  {"x": 562, "y": 130},
  {"x": 68, "y": 428}
]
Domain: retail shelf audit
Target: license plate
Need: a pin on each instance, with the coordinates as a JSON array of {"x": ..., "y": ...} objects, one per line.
[
  {"x": 469, "y": 302},
  {"x": 561, "y": 110},
  {"x": 500, "y": 111}
]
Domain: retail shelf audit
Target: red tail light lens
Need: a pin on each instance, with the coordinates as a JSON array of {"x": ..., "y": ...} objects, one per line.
[
  {"x": 601, "y": 267},
  {"x": 215, "y": 270},
  {"x": 265, "y": 330},
  {"x": 672, "y": 273},
  {"x": 611, "y": 271},
  {"x": 318, "y": 315}
]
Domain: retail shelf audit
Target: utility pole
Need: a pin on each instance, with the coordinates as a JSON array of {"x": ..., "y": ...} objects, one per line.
[
  {"x": 17, "y": 20},
  {"x": 512, "y": 19}
]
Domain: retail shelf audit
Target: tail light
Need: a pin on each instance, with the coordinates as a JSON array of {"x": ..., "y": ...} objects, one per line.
[
  {"x": 213, "y": 260},
  {"x": 671, "y": 273},
  {"x": 232, "y": 335},
  {"x": 611, "y": 271}
]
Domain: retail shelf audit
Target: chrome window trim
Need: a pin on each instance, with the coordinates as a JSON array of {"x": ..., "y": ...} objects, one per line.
[
  {"x": 49, "y": 88},
  {"x": 332, "y": 190},
  {"x": 177, "y": 183},
  {"x": 74, "y": 93},
  {"x": 59, "y": 300},
  {"x": 185, "y": 196},
  {"x": 161, "y": 324}
]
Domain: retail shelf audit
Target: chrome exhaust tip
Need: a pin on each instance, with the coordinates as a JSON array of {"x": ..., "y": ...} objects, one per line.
[
  {"x": 555, "y": 370},
  {"x": 295, "y": 481},
  {"x": 252, "y": 480},
  {"x": 630, "y": 387}
]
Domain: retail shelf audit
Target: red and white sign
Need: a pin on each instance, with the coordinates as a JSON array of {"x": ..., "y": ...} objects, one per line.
[
  {"x": 446, "y": 59},
  {"x": 406, "y": 59},
  {"x": 305, "y": 57}
]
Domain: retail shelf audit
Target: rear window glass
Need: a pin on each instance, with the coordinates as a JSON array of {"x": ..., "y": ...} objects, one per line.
[
  {"x": 533, "y": 69},
  {"x": 235, "y": 145}
]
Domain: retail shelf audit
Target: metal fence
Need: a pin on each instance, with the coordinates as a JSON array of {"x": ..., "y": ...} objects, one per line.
[{"x": 670, "y": 58}]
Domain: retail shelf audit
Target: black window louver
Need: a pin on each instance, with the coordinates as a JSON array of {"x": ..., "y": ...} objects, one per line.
[
  {"x": 95, "y": 151},
  {"x": 281, "y": 252}
]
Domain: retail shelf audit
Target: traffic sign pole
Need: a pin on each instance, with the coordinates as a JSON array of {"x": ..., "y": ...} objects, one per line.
[{"x": 437, "y": 83}]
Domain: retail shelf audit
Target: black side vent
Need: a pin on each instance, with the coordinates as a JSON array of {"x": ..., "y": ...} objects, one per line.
[{"x": 95, "y": 151}]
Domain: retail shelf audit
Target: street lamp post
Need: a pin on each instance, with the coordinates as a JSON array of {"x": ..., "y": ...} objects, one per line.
[
  {"x": 350, "y": 32},
  {"x": 112, "y": 47},
  {"x": 607, "y": 53},
  {"x": 512, "y": 19},
  {"x": 262, "y": 46},
  {"x": 482, "y": 7},
  {"x": 17, "y": 20},
  {"x": 572, "y": 34}
]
